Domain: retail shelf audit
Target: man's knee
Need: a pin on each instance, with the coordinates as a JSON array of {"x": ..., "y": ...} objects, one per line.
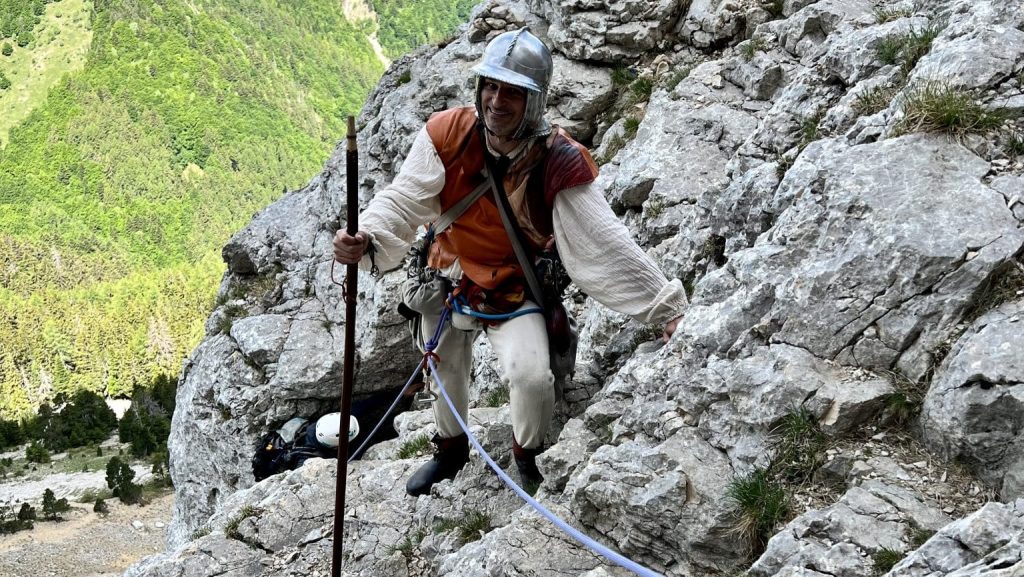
[{"x": 528, "y": 378}]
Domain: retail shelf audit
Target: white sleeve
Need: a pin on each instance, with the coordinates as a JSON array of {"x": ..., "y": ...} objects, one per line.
[
  {"x": 603, "y": 260},
  {"x": 409, "y": 202}
]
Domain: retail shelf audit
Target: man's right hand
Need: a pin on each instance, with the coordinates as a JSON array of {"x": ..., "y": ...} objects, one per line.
[{"x": 349, "y": 249}]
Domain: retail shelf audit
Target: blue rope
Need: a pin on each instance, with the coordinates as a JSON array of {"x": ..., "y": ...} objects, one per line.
[
  {"x": 429, "y": 346},
  {"x": 464, "y": 309},
  {"x": 387, "y": 414},
  {"x": 586, "y": 541}
]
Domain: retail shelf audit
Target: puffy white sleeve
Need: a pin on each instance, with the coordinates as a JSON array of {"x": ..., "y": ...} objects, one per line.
[
  {"x": 603, "y": 260},
  {"x": 398, "y": 210}
]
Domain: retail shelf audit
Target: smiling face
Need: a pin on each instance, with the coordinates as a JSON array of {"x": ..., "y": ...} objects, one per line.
[{"x": 503, "y": 108}]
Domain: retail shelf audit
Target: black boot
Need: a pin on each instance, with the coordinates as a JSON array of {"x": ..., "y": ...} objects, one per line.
[
  {"x": 449, "y": 457},
  {"x": 526, "y": 462}
]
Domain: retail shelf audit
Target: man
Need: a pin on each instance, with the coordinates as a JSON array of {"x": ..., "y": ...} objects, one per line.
[{"x": 548, "y": 178}]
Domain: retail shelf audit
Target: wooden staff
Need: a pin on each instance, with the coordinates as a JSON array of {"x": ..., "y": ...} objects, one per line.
[{"x": 350, "y": 292}]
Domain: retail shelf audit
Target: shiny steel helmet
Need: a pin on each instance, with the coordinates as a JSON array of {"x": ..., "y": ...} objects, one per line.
[{"x": 519, "y": 58}]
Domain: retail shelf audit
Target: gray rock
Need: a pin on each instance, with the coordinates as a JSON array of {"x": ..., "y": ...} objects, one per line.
[
  {"x": 960, "y": 547},
  {"x": 839, "y": 539},
  {"x": 973, "y": 410}
]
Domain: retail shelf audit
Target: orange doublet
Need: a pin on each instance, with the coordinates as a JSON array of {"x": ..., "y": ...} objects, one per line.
[{"x": 478, "y": 238}]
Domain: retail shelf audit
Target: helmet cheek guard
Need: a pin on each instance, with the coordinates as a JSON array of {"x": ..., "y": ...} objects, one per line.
[{"x": 519, "y": 58}]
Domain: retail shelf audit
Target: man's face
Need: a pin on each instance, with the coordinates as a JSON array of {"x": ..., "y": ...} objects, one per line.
[{"x": 503, "y": 106}]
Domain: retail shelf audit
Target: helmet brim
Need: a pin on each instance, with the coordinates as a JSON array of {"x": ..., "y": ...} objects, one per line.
[{"x": 507, "y": 76}]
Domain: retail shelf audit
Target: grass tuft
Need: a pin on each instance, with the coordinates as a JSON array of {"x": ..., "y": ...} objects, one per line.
[
  {"x": 885, "y": 559},
  {"x": 676, "y": 77},
  {"x": 497, "y": 398},
  {"x": 883, "y": 15},
  {"x": 874, "y": 100},
  {"x": 751, "y": 47},
  {"x": 799, "y": 446},
  {"x": 761, "y": 503},
  {"x": 470, "y": 527},
  {"x": 903, "y": 405},
  {"x": 939, "y": 107},
  {"x": 1014, "y": 143},
  {"x": 414, "y": 447},
  {"x": 231, "y": 529}
]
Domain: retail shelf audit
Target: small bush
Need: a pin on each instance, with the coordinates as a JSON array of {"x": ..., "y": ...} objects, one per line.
[
  {"x": 938, "y": 107},
  {"x": 5, "y": 83},
  {"x": 405, "y": 77},
  {"x": 36, "y": 453},
  {"x": 101, "y": 508},
  {"x": 7, "y": 50},
  {"x": 641, "y": 89},
  {"x": 885, "y": 559},
  {"x": 120, "y": 477},
  {"x": 53, "y": 507},
  {"x": 630, "y": 126},
  {"x": 414, "y": 447}
]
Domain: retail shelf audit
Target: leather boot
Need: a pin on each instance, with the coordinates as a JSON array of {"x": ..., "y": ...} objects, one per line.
[
  {"x": 526, "y": 462},
  {"x": 450, "y": 455}
]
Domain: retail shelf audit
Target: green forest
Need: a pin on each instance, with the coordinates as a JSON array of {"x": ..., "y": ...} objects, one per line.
[{"x": 122, "y": 184}]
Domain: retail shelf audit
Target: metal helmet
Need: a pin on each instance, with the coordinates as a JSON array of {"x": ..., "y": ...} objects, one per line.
[
  {"x": 519, "y": 58},
  {"x": 328, "y": 429}
]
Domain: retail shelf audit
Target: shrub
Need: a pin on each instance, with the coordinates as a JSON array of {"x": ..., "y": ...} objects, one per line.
[
  {"x": 101, "y": 508},
  {"x": 53, "y": 507},
  {"x": 7, "y": 50},
  {"x": 938, "y": 107},
  {"x": 120, "y": 477},
  {"x": 27, "y": 512},
  {"x": 4, "y": 82},
  {"x": 36, "y": 453}
]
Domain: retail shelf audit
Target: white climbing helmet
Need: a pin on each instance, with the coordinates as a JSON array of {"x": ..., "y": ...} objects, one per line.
[{"x": 328, "y": 429}]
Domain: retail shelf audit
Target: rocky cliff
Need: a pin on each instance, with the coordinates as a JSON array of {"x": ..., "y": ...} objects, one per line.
[{"x": 839, "y": 181}]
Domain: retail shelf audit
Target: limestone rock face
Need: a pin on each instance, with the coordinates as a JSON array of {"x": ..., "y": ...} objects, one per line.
[
  {"x": 975, "y": 406},
  {"x": 757, "y": 151}
]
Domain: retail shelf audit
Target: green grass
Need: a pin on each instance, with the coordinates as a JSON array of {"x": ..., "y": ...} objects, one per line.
[
  {"x": 883, "y": 15},
  {"x": 885, "y": 559},
  {"x": 873, "y": 100},
  {"x": 751, "y": 47},
  {"x": 907, "y": 49},
  {"x": 471, "y": 526},
  {"x": 888, "y": 49},
  {"x": 673, "y": 80},
  {"x": 62, "y": 41},
  {"x": 409, "y": 545},
  {"x": 231, "y": 529},
  {"x": 904, "y": 404},
  {"x": 1014, "y": 143},
  {"x": 939, "y": 107},
  {"x": 621, "y": 76},
  {"x": 413, "y": 447},
  {"x": 497, "y": 397},
  {"x": 761, "y": 505},
  {"x": 799, "y": 446}
]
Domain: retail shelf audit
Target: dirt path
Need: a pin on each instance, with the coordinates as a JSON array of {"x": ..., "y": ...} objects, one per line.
[{"x": 85, "y": 544}]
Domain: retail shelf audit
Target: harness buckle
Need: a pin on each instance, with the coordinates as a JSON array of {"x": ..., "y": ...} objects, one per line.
[{"x": 424, "y": 397}]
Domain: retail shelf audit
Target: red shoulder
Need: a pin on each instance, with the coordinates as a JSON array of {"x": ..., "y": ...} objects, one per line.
[{"x": 568, "y": 164}]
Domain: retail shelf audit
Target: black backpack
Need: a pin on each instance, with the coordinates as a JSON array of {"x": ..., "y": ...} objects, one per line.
[{"x": 275, "y": 453}]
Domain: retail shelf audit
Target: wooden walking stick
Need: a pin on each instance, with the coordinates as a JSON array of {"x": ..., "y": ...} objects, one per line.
[{"x": 349, "y": 292}]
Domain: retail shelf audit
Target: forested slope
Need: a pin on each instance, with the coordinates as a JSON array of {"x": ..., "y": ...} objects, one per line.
[{"x": 118, "y": 191}]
